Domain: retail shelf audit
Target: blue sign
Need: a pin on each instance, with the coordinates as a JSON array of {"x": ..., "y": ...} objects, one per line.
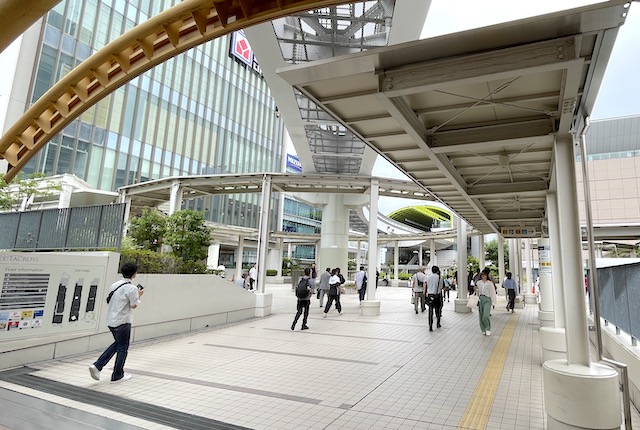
[{"x": 294, "y": 163}]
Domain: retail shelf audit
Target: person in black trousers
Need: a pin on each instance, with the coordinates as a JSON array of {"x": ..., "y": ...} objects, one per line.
[
  {"x": 335, "y": 283},
  {"x": 304, "y": 303}
]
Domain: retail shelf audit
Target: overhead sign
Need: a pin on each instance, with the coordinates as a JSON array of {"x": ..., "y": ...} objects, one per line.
[
  {"x": 515, "y": 232},
  {"x": 293, "y": 164}
]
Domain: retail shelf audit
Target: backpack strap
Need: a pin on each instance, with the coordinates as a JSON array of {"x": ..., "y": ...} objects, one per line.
[{"x": 111, "y": 293}]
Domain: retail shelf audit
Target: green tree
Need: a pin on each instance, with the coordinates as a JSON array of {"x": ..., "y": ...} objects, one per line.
[
  {"x": 148, "y": 229},
  {"x": 491, "y": 252},
  {"x": 473, "y": 264},
  {"x": 187, "y": 235},
  {"x": 22, "y": 189}
]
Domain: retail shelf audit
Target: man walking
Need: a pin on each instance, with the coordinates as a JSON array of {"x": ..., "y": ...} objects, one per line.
[
  {"x": 324, "y": 285},
  {"x": 434, "y": 296},
  {"x": 253, "y": 276},
  {"x": 123, "y": 297},
  {"x": 361, "y": 283},
  {"x": 417, "y": 285},
  {"x": 512, "y": 291},
  {"x": 303, "y": 292}
]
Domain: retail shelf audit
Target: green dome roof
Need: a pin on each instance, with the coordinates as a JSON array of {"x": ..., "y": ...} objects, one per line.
[{"x": 422, "y": 217}]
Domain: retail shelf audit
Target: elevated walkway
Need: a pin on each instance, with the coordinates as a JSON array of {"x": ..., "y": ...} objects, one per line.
[{"x": 346, "y": 372}]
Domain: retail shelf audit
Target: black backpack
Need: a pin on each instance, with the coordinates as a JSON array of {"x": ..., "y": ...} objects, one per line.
[{"x": 301, "y": 290}]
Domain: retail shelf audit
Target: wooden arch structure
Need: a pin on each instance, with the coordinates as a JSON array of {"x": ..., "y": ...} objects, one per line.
[{"x": 172, "y": 32}]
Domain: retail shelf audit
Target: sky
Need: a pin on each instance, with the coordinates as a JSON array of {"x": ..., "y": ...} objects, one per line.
[{"x": 619, "y": 93}]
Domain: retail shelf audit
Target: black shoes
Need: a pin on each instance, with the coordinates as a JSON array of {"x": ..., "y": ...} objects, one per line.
[
  {"x": 430, "y": 328},
  {"x": 438, "y": 325},
  {"x": 304, "y": 327},
  {"x": 293, "y": 326}
]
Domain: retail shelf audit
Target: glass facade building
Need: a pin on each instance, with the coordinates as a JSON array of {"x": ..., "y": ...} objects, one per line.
[{"x": 202, "y": 112}]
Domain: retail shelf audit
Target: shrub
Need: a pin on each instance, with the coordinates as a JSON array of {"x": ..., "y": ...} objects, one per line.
[
  {"x": 272, "y": 272},
  {"x": 404, "y": 276},
  {"x": 153, "y": 262}
]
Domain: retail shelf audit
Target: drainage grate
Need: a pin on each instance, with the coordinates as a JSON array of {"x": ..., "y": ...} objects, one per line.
[{"x": 134, "y": 408}]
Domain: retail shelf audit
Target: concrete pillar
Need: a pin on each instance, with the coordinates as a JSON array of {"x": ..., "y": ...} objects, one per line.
[
  {"x": 461, "y": 301},
  {"x": 213, "y": 256},
  {"x": 334, "y": 240},
  {"x": 263, "y": 233},
  {"x": 501, "y": 270},
  {"x": 420, "y": 256},
  {"x": 545, "y": 314},
  {"x": 396, "y": 260},
  {"x": 577, "y": 393},
  {"x": 175, "y": 197},
  {"x": 240, "y": 251},
  {"x": 281, "y": 243},
  {"x": 552, "y": 339},
  {"x": 289, "y": 250},
  {"x": 481, "y": 262},
  {"x": 359, "y": 253},
  {"x": 529, "y": 297},
  {"x": 371, "y": 306},
  {"x": 64, "y": 201},
  {"x": 432, "y": 253}
]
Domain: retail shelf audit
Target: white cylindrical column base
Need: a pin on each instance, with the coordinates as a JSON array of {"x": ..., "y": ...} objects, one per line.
[
  {"x": 263, "y": 304},
  {"x": 530, "y": 299},
  {"x": 519, "y": 303},
  {"x": 370, "y": 308},
  {"x": 461, "y": 306},
  {"x": 547, "y": 318},
  {"x": 581, "y": 397},
  {"x": 553, "y": 343}
]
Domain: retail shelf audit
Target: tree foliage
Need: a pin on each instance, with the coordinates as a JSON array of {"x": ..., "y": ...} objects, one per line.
[
  {"x": 148, "y": 229},
  {"x": 187, "y": 235},
  {"x": 491, "y": 252},
  {"x": 25, "y": 189}
]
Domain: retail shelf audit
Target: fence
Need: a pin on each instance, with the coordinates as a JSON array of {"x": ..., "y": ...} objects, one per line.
[
  {"x": 89, "y": 227},
  {"x": 620, "y": 297}
]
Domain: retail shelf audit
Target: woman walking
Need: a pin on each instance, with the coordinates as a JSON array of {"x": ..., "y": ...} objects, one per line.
[
  {"x": 334, "y": 292},
  {"x": 486, "y": 291}
]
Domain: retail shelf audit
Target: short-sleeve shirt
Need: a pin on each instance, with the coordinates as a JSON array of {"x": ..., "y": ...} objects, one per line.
[
  {"x": 418, "y": 282},
  {"x": 119, "y": 308},
  {"x": 434, "y": 284}
]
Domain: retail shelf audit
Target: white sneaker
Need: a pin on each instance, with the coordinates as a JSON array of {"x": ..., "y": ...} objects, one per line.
[
  {"x": 95, "y": 373},
  {"x": 488, "y": 333},
  {"x": 324, "y": 315},
  {"x": 126, "y": 377}
]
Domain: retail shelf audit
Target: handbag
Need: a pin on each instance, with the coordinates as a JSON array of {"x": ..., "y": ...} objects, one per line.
[{"x": 472, "y": 302}]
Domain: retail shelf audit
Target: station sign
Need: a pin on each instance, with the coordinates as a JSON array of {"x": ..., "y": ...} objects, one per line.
[{"x": 516, "y": 232}]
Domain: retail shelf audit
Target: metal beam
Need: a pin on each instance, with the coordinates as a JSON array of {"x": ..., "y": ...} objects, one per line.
[{"x": 531, "y": 188}]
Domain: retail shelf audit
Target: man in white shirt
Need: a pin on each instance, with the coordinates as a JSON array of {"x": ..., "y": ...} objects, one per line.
[
  {"x": 123, "y": 297},
  {"x": 434, "y": 296},
  {"x": 417, "y": 285},
  {"x": 361, "y": 283},
  {"x": 253, "y": 276}
]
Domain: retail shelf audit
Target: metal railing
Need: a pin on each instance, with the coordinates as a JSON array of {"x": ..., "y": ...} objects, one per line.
[{"x": 88, "y": 227}]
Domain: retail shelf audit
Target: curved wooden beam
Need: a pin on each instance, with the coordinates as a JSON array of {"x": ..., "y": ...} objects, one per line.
[
  {"x": 176, "y": 30},
  {"x": 18, "y": 15}
]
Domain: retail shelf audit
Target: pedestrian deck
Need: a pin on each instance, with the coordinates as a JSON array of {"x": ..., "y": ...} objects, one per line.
[{"x": 345, "y": 372}]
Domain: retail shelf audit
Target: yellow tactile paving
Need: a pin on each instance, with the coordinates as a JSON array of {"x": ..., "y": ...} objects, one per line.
[{"x": 478, "y": 411}]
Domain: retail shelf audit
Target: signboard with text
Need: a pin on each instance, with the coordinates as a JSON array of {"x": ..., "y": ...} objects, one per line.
[{"x": 516, "y": 232}]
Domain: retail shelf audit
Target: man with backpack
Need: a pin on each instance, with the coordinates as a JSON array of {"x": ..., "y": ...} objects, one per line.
[{"x": 303, "y": 293}]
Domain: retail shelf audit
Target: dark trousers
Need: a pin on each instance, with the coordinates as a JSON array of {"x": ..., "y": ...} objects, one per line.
[
  {"x": 330, "y": 302},
  {"x": 362, "y": 291},
  {"x": 435, "y": 304},
  {"x": 303, "y": 305},
  {"x": 512, "y": 298},
  {"x": 445, "y": 293},
  {"x": 120, "y": 346}
]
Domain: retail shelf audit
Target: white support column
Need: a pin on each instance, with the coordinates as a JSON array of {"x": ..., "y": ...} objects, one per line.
[
  {"x": 371, "y": 306},
  {"x": 529, "y": 297},
  {"x": 420, "y": 256},
  {"x": 501, "y": 271},
  {"x": 263, "y": 301},
  {"x": 359, "y": 252},
  {"x": 396, "y": 262},
  {"x": 433, "y": 258},
  {"x": 64, "y": 201},
  {"x": 281, "y": 246},
  {"x": 239, "y": 258},
  {"x": 213, "y": 256},
  {"x": 545, "y": 314},
  {"x": 289, "y": 250},
  {"x": 577, "y": 393},
  {"x": 481, "y": 262},
  {"x": 553, "y": 340},
  {"x": 175, "y": 197},
  {"x": 463, "y": 287}
]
